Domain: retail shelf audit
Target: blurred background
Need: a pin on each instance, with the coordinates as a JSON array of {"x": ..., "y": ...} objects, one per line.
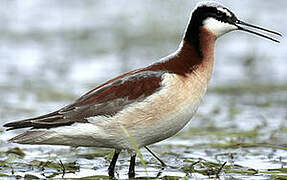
[{"x": 51, "y": 52}]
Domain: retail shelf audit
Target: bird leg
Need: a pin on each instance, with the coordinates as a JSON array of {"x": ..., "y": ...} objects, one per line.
[
  {"x": 132, "y": 166},
  {"x": 113, "y": 163},
  {"x": 155, "y": 156}
]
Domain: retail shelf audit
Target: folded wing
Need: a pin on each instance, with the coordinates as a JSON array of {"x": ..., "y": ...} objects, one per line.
[{"x": 105, "y": 100}]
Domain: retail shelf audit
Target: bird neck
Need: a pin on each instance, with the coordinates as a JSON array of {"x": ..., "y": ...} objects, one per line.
[
  {"x": 192, "y": 56},
  {"x": 204, "y": 46},
  {"x": 187, "y": 59},
  {"x": 191, "y": 36}
]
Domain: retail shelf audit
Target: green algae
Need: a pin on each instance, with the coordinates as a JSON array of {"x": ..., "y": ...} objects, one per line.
[
  {"x": 17, "y": 151},
  {"x": 172, "y": 178},
  {"x": 243, "y": 172},
  {"x": 278, "y": 176},
  {"x": 204, "y": 167},
  {"x": 3, "y": 175},
  {"x": 212, "y": 169},
  {"x": 72, "y": 166},
  {"x": 236, "y": 145},
  {"x": 30, "y": 176},
  {"x": 98, "y": 177},
  {"x": 282, "y": 170}
]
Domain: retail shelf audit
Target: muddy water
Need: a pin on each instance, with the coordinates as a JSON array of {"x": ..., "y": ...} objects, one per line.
[{"x": 52, "y": 52}]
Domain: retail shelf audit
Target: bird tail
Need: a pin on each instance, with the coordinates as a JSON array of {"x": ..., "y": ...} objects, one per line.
[
  {"x": 29, "y": 137},
  {"x": 53, "y": 119}
]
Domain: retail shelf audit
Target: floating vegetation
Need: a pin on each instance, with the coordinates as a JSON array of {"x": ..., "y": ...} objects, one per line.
[
  {"x": 30, "y": 176},
  {"x": 3, "y": 175},
  {"x": 203, "y": 167},
  {"x": 171, "y": 178},
  {"x": 278, "y": 176},
  {"x": 57, "y": 166},
  {"x": 17, "y": 151},
  {"x": 99, "y": 177}
]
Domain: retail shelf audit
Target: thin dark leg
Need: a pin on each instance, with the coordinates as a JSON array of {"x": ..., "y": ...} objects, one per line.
[
  {"x": 113, "y": 163},
  {"x": 155, "y": 156},
  {"x": 132, "y": 166}
]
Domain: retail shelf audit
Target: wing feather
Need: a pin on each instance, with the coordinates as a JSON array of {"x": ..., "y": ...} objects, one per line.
[{"x": 106, "y": 100}]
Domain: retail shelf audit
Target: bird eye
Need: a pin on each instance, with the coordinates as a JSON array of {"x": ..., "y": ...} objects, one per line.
[{"x": 218, "y": 14}]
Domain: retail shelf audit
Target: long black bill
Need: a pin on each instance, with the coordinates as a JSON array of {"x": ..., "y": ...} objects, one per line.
[{"x": 260, "y": 28}]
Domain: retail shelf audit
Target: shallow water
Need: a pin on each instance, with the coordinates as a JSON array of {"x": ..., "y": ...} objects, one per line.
[{"x": 51, "y": 52}]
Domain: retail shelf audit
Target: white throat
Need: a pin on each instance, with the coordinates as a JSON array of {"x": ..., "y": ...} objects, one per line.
[{"x": 218, "y": 28}]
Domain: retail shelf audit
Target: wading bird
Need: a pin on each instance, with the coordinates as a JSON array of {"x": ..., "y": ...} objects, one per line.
[{"x": 145, "y": 105}]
